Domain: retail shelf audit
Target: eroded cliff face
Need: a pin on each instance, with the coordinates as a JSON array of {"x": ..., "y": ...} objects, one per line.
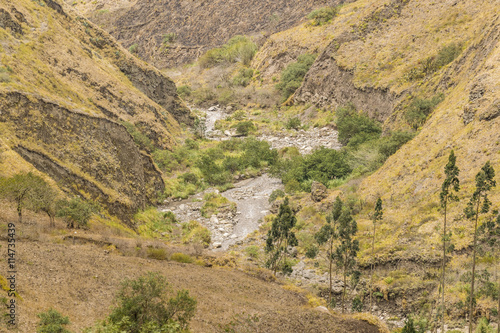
[
  {"x": 66, "y": 91},
  {"x": 327, "y": 85},
  {"x": 198, "y": 26}
]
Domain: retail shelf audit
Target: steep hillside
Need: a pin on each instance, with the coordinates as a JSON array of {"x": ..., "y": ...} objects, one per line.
[
  {"x": 67, "y": 91},
  {"x": 197, "y": 26},
  {"x": 400, "y": 42}
]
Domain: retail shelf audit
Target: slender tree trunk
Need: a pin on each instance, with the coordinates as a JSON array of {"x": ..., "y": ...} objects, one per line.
[
  {"x": 471, "y": 310},
  {"x": 498, "y": 309},
  {"x": 330, "y": 271},
  {"x": 444, "y": 265},
  {"x": 19, "y": 213},
  {"x": 371, "y": 270},
  {"x": 345, "y": 285}
]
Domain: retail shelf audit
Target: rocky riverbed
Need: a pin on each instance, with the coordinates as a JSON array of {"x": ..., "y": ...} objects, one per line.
[
  {"x": 229, "y": 227},
  {"x": 305, "y": 141}
]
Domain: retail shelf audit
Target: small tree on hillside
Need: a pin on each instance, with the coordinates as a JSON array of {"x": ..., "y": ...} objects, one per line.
[
  {"x": 76, "y": 211},
  {"x": 52, "y": 322},
  {"x": 280, "y": 237},
  {"x": 145, "y": 305},
  {"x": 377, "y": 216},
  {"x": 491, "y": 229},
  {"x": 44, "y": 199},
  {"x": 347, "y": 250},
  {"x": 451, "y": 185},
  {"x": 327, "y": 234},
  {"x": 21, "y": 188},
  {"x": 479, "y": 203}
]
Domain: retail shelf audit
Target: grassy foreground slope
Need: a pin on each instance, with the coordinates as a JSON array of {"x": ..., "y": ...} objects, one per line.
[{"x": 81, "y": 280}]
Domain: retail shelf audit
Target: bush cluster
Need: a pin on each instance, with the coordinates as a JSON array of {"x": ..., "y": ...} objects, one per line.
[
  {"x": 419, "y": 109},
  {"x": 237, "y": 49},
  {"x": 298, "y": 172},
  {"x": 217, "y": 167},
  {"x": 323, "y": 15},
  {"x": 293, "y": 123},
  {"x": 243, "y": 77},
  {"x": 434, "y": 63},
  {"x": 293, "y": 75},
  {"x": 355, "y": 127}
]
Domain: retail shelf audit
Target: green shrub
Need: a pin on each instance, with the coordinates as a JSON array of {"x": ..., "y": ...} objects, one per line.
[
  {"x": 52, "y": 322},
  {"x": 322, "y": 15},
  {"x": 189, "y": 177},
  {"x": 292, "y": 186},
  {"x": 182, "y": 257},
  {"x": 148, "y": 304},
  {"x": 393, "y": 142},
  {"x": 243, "y": 77},
  {"x": 275, "y": 195},
  {"x": 237, "y": 49},
  {"x": 232, "y": 164},
  {"x": 293, "y": 123},
  {"x": 354, "y": 127},
  {"x": 139, "y": 137},
  {"x": 184, "y": 91},
  {"x": 312, "y": 251},
  {"x": 257, "y": 153},
  {"x": 418, "y": 111},
  {"x": 409, "y": 326},
  {"x": 169, "y": 38},
  {"x": 252, "y": 251},
  {"x": 445, "y": 55},
  {"x": 158, "y": 254},
  {"x": 203, "y": 95},
  {"x": 357, "y": 304},
  {"x": 326, "y": 164},
  {"x": 244, "y": 127},
  {"x": 195, "y": 233},
  {"x": 133, "y": 48},
  {"x": 432, "y": 64},
  {"x": 293, "y": 74},
  {"x": 213, "y": 173},
  {"x": 239, "y": 115}
]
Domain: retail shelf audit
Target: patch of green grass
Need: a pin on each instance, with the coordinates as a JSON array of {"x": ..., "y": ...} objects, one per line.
[
  {"x": 214, "y": 203},
  {"x": 157, "y": 254},
  {"x": 152, "y": 223},
  {"x": 323, "y": 15},
  {"x": 195, "y": 233},
  {"x": 182, "y": 257},
  {"x": 237, "y": 49}
]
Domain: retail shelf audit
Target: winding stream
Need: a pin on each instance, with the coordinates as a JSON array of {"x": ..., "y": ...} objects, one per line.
[{"x": 250, "y": 195}]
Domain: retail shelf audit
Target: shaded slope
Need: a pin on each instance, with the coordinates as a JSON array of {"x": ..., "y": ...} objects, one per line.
[
  {"x": 66, "y": 90},
  {"x": 198, "y": 25}
]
